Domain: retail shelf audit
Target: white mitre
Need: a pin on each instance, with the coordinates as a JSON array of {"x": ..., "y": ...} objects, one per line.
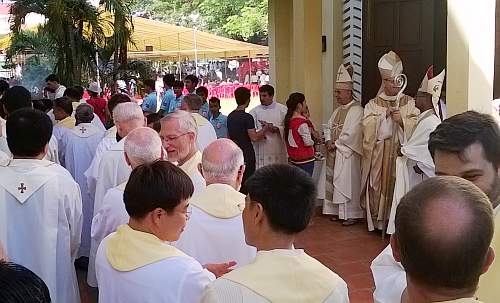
[
  {"x": 433, "y": 85},
  {"x": 344, "y": 77}
]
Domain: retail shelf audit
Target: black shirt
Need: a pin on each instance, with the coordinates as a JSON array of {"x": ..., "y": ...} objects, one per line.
[{"x": 238, "y": 124}]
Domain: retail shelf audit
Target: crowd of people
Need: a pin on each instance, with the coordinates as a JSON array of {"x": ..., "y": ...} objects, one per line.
[{"x": 175, "y": 202}]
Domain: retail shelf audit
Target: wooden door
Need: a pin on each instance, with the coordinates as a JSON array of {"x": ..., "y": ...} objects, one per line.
[{"x": 408, "y": 28}]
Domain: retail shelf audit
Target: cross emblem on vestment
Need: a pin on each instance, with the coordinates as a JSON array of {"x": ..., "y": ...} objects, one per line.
[
  {"x": 83, "y": 129},
  {"x": 22, "y": 188}
]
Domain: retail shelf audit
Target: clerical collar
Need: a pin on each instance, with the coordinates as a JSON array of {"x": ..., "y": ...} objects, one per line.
[{"x": 388, "y": 98}]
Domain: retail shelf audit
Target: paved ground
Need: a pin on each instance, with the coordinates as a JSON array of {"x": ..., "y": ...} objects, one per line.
[{"x": 346, "y": 250}]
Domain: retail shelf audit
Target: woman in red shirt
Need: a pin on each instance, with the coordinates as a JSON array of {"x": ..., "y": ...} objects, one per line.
[{"x": 298, "y": 137}]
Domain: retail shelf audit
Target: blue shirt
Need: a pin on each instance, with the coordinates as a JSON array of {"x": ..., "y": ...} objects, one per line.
[
  {"x": 220, "y": 125},
  {"x": 168, "y": 97},
  {"x": 149, "y": 103},
  {"x": 205, "y": 111}
]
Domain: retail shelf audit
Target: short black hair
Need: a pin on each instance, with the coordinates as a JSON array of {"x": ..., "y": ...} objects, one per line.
[
  {"x": 288, "y": 202},
  {"x": 178, "y": 84},
  {"x": 4, "y": 86},
  {"x": 214, "y": 100},
  {"x": 65, "y": 104},
  {"x": 160, "y": 184},
  {"x": 440, "y": 255},
  {"x": 169, "y": 79},
  {"x": 460, "y": 131},
  {"x": 28, "y": 131},
  {"x": 117, "y": 99},
  {"x": 20, "y": 285},
  {"x": 52, "y": 77},
  {"x": 202, "y": 89},
  {"x": 15, "y": 98},
  {"x": 81, "y": 91},
  {"x": 150, "y": 83},
  {"x": 242, "y": 95},
  {"x": 193, "y": 79},
  {"x": 266, "y": 88},
  {"x": 73, "y": 93}
]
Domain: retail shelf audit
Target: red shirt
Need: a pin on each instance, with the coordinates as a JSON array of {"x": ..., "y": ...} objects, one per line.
[
  {"x": 99, "y": 105},
  {"x": 302, "y": 152}
]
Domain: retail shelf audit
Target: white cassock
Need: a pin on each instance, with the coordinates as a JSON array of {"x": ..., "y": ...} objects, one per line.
[
  {"x": 271, "y": 150},
  {"x": 415, "y": 152},
  {"x": 96, "y": 121},
  {"x": 52, "y": 152},
  {"x": 345, "y": 188},
  {"x": 80, "y": 144},
  {"x": 280, "y": 275},
  {"x": 41, "y": 222},
  {"x": 206, "y": 132},
  {"x": 113, "y": 170},
  {"x": 134, "y": 266},
  {"x": 111, "y": 215},
  {"x": 190, "y": 167},
  {"x": 214, "y": 233},
  {"x": 105, "y": 144}
]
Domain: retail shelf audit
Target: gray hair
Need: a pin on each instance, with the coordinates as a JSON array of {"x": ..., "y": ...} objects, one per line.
[
  {"x": 84, "y": 113},
  {"x": 221, "y": 161},
  {"x": 143, "y": 145},
  {"x": 127, "y": 111},
  {"x": 185, "y": 119},
  {"x": 193, "y": 101}
]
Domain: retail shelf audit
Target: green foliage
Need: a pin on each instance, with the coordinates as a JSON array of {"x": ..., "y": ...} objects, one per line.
[{"x": 251, "y": 24}]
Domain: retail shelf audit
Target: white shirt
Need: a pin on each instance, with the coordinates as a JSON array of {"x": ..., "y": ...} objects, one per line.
[{"x": 305, "y": 134}]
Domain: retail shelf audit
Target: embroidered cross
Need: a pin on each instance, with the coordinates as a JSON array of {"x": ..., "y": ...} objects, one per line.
[
  {"x": 83, "y": 129},
  {"x": 22, "y": 188}
]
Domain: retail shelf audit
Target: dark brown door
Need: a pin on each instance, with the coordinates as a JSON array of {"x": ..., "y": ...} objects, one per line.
[{"x": 411, "y": 28}]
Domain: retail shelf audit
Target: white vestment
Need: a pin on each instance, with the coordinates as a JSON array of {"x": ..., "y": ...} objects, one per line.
[
  {"x": 41, "y": 221},
  {"x": 105, "y": 144},
  {"x": 346, "y": 185},
  {"x": 206, "y": 132},
  {"x": 292, "y": 282},
  {"x": 214, "y": 233},
  {"x": 190, "y": 167},
  {"x": 113, "y": 170},
  {"x": 173, "y": 279},
  {"x": 80, "y": 144},
  {"x": 271, "y": 150},
  {"x": 52, "y": 152},
  {"x": 415, "y": 152}
]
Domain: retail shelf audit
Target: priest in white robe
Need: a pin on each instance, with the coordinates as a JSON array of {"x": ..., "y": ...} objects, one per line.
[
  {"x": 41, "y": 209},
  {"x": 269, "y": 112},
  {"x": 113, "y": 168},
  {"x": 276, "y": 210},
  {"x": 15, "y": 98},
  {"x": 142, "y": 145},
  {"x": 80, "y": 144},
  {"x": 214, "y": 233},
  {"x": 386, "y": 120},
  {"x": 415, "y": 163},
  {"x": 136, "y": 263},
  {"x": 205, "y": 129},
  {"x": 343, "y": 134},
  {"x": 178, "y": 134}
]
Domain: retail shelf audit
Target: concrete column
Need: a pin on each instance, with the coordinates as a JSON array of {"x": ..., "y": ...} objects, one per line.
[{"x": 470, "y": 56}]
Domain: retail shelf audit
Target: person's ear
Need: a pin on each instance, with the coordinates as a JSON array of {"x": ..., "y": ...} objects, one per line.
[
  {"x": 395, "y": 248},
  {"x": 490, "y": 257},
  {"x": 157, "y": 215}
]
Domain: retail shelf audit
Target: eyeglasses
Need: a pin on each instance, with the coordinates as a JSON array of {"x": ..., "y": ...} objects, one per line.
[{"x": 172, "y": 138}]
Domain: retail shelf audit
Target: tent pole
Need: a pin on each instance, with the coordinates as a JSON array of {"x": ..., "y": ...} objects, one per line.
[
  {"x": 195, "y": 52},
  {"x": 179, "y": 55},
  {"x": 250, "y": 68}
]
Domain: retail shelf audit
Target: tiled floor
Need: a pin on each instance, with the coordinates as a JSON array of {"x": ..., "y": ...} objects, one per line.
[{"x": 346, "y": 250}]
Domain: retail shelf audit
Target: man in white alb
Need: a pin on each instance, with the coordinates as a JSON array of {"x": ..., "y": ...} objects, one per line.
[
  {"x": 56, "y": 89},
  {"x": 214, "y": 233},
  {"x": 80, "y": 144},
  {"x": 269, "y": 112},
  {"x": 279, "y": 205},
  {"x": 41, "y": 209},
  {"x": 206, "y": 131},
  {"x": 178, "y": 134},
  {"x": 415, "y": 163}
]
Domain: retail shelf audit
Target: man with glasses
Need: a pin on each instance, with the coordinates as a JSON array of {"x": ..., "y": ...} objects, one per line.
[{"x": 178, "y": 134}]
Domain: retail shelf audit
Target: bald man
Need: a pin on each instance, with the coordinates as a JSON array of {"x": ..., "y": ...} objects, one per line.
[
  {"x": 113, "y": 168},
  {"x": 142, "y": 145},
  {"x": 178, "y": 134},
  {"x": 206, "y": 131},
  {"x": 439, "y": 243},
  {"x": 77, "y": 149},
  {"x": 214, "y": 233}
]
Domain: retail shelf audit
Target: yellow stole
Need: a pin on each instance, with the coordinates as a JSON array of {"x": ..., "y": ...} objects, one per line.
[
  {"x": 190, "y": 167},
  {"x": 220, "y": 201},
  {"x": 287, "y": 276},
  {"x": 68, "y": 122},
  {"x": 489, "y": 290},
  {"x": 199, "y": 119},
  {"x": 129, "y": 249}
]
